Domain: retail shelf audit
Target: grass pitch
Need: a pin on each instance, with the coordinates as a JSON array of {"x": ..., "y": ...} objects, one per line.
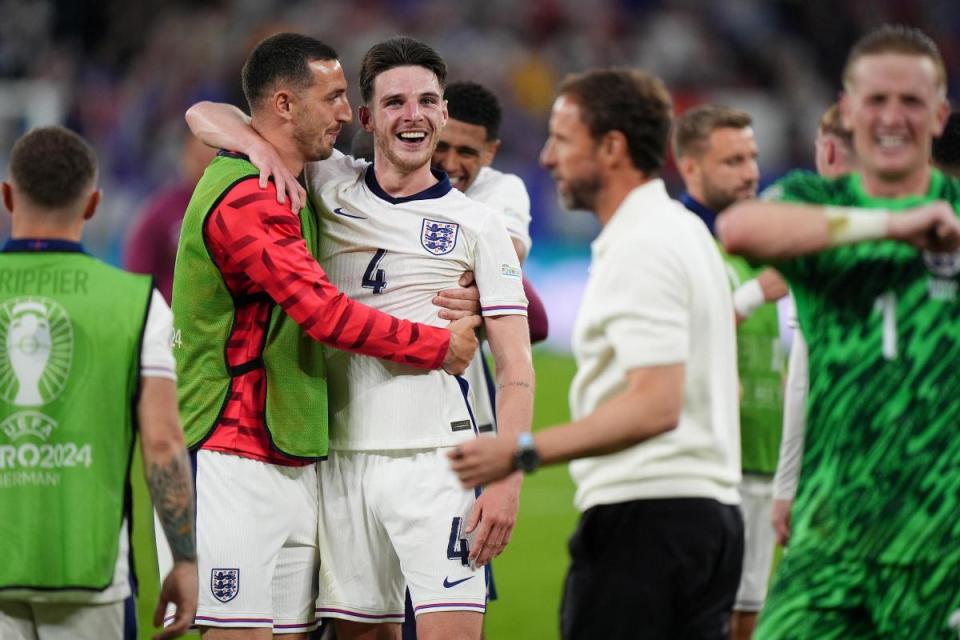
[{"x": 529, "y": 575}]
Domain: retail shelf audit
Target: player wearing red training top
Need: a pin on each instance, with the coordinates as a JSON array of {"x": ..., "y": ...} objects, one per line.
[{"x": 251, "y": 303}]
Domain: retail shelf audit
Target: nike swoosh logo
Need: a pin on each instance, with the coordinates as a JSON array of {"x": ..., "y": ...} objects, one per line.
[
  {"x": 341, "y": 212},
  {"x": 447, "y": 583}
]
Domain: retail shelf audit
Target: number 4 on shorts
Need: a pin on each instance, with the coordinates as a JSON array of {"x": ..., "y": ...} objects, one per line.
[{"x": 457, "y": 546}]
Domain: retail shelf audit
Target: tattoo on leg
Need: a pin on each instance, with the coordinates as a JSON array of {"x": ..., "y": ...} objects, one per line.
[{"x": 172, "y": 493}]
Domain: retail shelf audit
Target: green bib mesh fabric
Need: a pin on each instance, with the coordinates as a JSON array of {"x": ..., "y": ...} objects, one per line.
[
  {"x": 70, "y": 336},
  {"x": 296, "y": 397}
]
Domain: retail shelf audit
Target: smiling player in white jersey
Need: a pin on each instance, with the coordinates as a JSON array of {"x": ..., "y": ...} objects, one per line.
[
  {"x": 394, "y": 233},
  {"x": 468, "y": 146},
  {"x": 384, "y": 250}
]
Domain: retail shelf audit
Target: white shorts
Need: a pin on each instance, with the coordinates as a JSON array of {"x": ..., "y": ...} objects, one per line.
[
  {"x": 256, "y": 544},
  {"x": 391, "y": 520},
  {"x": 756, "y": 493},
  {"x": 61, "y": 621}
]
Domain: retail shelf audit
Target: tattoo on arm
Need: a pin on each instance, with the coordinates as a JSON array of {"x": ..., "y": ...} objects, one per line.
[
  {"x": 516, "y": 383},
  {"x": 172, "y": 493}
]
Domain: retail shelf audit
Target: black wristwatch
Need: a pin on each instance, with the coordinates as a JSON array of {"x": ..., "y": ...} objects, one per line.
[{"x": 526, "y": 458}]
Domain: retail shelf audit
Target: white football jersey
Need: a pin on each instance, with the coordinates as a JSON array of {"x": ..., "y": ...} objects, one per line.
[{"x": 395, "y": 254}]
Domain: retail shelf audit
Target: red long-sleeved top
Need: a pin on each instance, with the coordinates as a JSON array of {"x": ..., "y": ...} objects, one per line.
[{"x": 258, "y": 246}]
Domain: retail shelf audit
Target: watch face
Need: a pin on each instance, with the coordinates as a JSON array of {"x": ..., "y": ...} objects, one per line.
[{"x": 527, "y": 459}]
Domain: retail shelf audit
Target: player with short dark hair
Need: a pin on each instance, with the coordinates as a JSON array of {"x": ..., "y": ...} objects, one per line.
[
  {"x": 654, "y": 438},
  {"x": 468, "y": 144},
  {"x": 403, "y": 112},
  {"x": 52, "y": 167},
  {"x": 400, "y": 51},
  {"x": 473, "y": 103},
  {"x": 281, "y": 60},
  {"x": 873, "y": 260},
  {"x": 87, "y": 363}
]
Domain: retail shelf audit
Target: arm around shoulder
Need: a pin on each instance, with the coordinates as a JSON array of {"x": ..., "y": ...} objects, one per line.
[
  {"x": 224, "y": 126},
  {"x": 220, "y": 125}
]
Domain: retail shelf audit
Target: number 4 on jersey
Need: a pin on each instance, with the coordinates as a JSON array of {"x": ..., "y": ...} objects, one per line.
[{"x": 374, "y": 277}]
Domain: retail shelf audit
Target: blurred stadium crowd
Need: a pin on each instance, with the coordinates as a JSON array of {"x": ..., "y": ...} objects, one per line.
[{"x": 122, "y": 72}]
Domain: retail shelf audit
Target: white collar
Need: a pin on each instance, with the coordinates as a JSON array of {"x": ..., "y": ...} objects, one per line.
[{"x": 652, "y": 193}]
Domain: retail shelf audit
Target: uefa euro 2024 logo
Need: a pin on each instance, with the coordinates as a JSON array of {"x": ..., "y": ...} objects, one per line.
[
  {"x": 37, "y": 336},
  {"x": 36, "y": 353}
]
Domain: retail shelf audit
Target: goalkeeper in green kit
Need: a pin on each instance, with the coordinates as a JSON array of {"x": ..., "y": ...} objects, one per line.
[{"x": 873, "y": 261}]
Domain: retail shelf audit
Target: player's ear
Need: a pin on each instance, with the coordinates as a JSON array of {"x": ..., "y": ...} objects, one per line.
[
  {"x": 8, "y": 196},
  {"x": 833, "y": 151},
  {"x": 366, "y": 118},
  {"x": 687, "y": 166},
  {"x": 282, "y": 103},
  {"x": 93, "y": 201},
  {"x": 844, "y": 104},
  {"x": 943, "y": 114},
  {"x": 489, "y": 152},
  {"x": 613, "y": 147}
]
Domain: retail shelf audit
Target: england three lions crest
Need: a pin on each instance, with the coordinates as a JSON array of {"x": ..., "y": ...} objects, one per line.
[
  {"x": 439, "y": 238},
  {"x": 225, "y": 584}
]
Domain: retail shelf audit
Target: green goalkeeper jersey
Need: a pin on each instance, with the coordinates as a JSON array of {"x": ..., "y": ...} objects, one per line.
[{"x": 881, "y": 467}]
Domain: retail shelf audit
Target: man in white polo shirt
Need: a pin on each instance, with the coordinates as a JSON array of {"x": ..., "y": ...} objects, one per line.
[{"x": 658, "y": 549}]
